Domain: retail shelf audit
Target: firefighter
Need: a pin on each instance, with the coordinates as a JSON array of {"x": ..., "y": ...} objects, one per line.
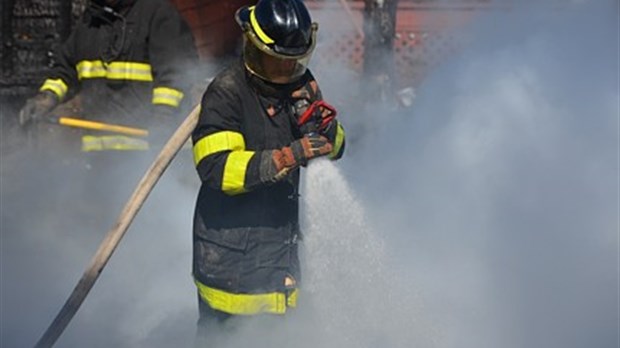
[
  {"x": 248, "y": 148},
  {"x": 129, "y": 61}
]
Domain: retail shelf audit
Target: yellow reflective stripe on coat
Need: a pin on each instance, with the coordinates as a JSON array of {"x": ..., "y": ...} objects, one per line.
[
  {"x": 113, "y": 142},
  {"x": 58, "y": 86},
  {"x": 338, "y": 142},
  {"x": 167, "y": 96},
  {"x": 216, "y": 142},
  {"x": 89, "y": 69},
  {"x": 233, "y": 180},
  {"x": 247, "y": 304}
]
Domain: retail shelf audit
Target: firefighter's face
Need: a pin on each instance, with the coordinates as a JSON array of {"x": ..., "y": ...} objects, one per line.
[
  {"x": 272, "y": 67},
  {"x": 278, "y": 70}
]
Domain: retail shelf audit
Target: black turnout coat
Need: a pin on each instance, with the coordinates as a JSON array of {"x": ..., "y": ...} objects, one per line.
[{"x": 246, "y": 232}]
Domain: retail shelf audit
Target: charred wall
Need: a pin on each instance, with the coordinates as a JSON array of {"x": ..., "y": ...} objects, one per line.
[{"x": 30, "y": 31}]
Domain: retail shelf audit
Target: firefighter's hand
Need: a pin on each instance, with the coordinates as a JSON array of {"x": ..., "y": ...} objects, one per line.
[
  {"x": 163, "y": 123},
  {"x": 309, "y": 147},
  {"x": 165, "y": 116},
  {"x": 279, "y": 163},
  {"x": 37, "y": 107}
]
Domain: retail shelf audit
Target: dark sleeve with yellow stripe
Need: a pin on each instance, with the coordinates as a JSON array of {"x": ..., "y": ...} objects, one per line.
[
  {"x": 338, "y": 145},
  {"x": 63, "y": 79},
  {"x": 172, "y": 55},
  {"x": 220, "y": 154}
]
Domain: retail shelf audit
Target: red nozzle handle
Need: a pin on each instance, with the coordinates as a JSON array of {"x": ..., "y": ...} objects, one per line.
[{"x": 315, "y": 108}]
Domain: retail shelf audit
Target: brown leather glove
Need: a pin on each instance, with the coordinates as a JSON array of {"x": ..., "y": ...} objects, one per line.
[
  {"x": 278, "y": 163},
  {"x": 37, "y": 107}
]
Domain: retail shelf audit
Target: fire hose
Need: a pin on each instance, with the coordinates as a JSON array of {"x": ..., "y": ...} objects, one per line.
[{"x": 114, "y": 236}]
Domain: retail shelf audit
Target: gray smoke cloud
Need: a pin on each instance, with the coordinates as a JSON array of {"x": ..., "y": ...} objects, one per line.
[
  {"x": 496, "y": 195},
  {"x": 485, "y": 216}
]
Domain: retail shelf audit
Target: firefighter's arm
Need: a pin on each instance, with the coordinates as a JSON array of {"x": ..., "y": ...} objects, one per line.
[
  {"x": 224, "y": 164},
  {"x": 62, "y": 81},
  {"x": 222, "y": 160},
  {"x": 172, "y": 53},
  {"x": 220, "y": 153},
  {"x": 275, "y": 165}
]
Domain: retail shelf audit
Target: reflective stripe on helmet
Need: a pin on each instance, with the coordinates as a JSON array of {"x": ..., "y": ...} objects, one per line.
[
  {"x": 257, "y": 29},
  {"x": 253, "y": 37}
]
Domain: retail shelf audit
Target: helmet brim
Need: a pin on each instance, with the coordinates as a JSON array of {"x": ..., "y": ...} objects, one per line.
[{"x": 242, "y": 16}]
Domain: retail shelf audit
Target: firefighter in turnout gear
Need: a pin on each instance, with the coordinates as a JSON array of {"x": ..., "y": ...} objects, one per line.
[
  {"x": 249, "y": 144},
  {"x": 129, "y": 61}
]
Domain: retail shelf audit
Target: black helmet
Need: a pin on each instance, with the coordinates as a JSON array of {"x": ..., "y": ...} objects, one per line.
[{"x": 277, "y": 30}]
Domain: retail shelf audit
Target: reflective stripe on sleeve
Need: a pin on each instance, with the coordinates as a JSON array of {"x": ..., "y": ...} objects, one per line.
[
  {"x": 90, "y": 69},
  {"x": 133, "y": 71},
  {"x": 216, "y": 142},
  {"x": 167, "y": 96},
  {"x": 338, "y": 142},
  {"x": 233, "y": 180},
  {"x": 57, "y": 86},
  {"x": 247, "y": 304}
]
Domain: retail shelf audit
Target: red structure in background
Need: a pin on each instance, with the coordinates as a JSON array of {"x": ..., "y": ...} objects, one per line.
[
  {"x": 424, "y": 31},
  {"x": 213, "y": 24}
]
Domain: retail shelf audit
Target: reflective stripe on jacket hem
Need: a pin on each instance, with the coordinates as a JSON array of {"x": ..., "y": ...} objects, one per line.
[
  {"x": 247, "y": 304},
  {"x": 113, "y": 142}
]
